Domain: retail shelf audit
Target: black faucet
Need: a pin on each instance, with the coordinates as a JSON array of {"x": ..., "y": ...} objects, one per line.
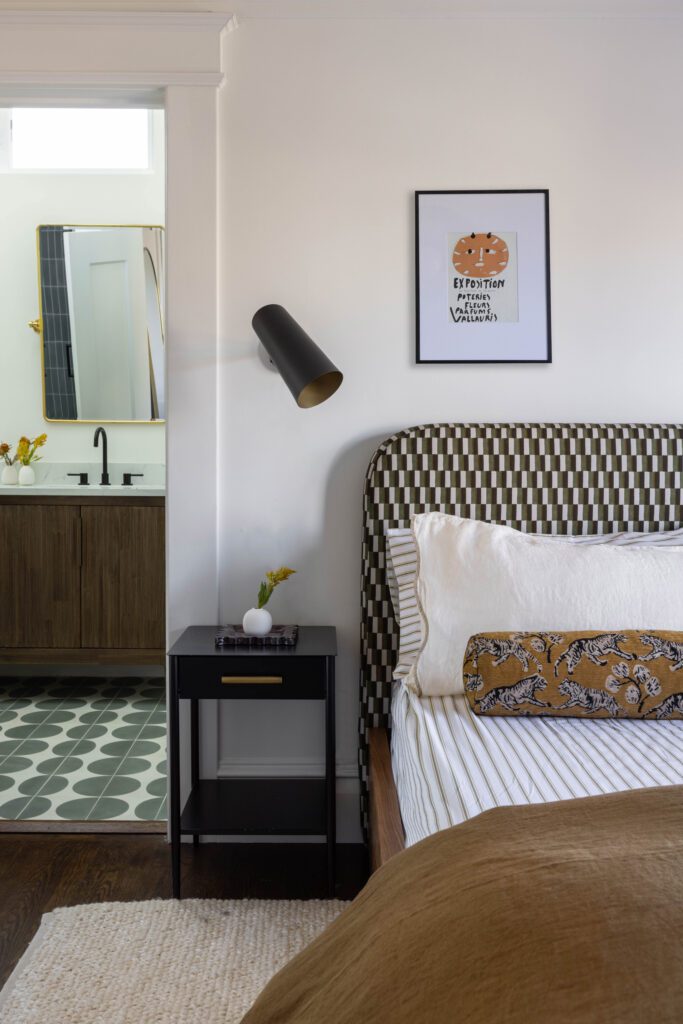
[{"x": 101, "y": 432}]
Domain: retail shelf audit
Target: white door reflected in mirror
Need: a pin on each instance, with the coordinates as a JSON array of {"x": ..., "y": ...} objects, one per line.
[{"x": 102, "y": 322}]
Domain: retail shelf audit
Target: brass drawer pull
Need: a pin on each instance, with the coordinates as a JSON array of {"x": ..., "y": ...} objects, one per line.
[{"x": 251, "y": 679}]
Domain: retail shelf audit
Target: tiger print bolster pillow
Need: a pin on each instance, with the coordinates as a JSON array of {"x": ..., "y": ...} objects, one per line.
[{"x": 586, "y": 674}]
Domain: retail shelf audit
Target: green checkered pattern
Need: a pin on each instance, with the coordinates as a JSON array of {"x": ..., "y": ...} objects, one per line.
[{"x": 561, "y": 478}]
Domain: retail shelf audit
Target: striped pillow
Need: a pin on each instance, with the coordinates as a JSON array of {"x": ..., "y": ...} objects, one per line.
[
  {"x": 401, "y": 576},
  {"x": 401, "y": 551}
]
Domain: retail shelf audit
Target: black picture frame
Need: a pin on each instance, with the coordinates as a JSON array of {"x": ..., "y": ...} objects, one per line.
[{"x": 545, "y": 357}]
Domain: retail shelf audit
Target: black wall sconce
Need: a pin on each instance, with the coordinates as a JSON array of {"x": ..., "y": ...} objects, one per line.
[{"x": 308, "y": 373}]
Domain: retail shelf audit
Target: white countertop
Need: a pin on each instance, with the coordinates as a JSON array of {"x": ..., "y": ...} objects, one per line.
[
  {"x": 91, "y": 490},
  {"x": 52, "y": 481}
]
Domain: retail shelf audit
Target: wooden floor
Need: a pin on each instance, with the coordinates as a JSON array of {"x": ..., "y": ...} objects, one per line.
[{"x": 41, "y": 872}]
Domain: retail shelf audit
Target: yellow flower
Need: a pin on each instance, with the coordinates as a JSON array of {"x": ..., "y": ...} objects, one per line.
[
  {"x": 271, "y": 581},
  {"x": 279, "y": 575},
  {"x": 23, "y": 448},
  {"x": 40, "y": 441}
]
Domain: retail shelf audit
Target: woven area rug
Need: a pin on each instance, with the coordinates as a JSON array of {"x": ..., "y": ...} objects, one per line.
[{"x": 161, "y": 961}]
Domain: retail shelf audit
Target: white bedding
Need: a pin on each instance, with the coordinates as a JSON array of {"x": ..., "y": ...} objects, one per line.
[{"x": 450, "y": 764}]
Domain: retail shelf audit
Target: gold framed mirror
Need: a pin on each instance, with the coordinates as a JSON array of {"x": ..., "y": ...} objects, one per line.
[{"x": 101, "y": 322}]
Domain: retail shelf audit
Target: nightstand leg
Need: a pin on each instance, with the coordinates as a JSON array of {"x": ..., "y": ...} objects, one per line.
[
  {"x": 194, "y": 747},
  {"x": 174, "y": 777},
  {"x": 331, "y": 775}
]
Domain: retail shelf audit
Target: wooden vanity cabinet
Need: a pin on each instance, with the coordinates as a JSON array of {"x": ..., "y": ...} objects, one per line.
[
  {"x": 122, "y": 577},
  {"x": 40, "y": 576},
  {"x": 82, "y": 580}
]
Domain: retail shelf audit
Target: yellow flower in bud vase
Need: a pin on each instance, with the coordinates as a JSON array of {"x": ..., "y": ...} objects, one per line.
[
  {"x": 279, "y": 575},
  {"x": 27, "y": 451},
  {"x": 23, "y": 447},
  {"x": 272, "y": 579}
]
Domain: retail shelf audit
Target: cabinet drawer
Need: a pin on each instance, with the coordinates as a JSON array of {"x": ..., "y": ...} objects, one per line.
[{"x": 236, "y": 678}]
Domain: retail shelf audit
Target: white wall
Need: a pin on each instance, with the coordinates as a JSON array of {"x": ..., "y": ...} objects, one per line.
[
  {"x": 28, "y": 200},
  {"x": 327, "y": 128}
]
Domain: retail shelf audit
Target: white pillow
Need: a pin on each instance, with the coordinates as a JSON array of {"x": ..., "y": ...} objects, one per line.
[
  {"x": 401, "y": 549},
  {"x": 475, "y": 577}
]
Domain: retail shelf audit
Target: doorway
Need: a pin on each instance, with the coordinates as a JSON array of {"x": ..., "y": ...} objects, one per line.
[{"x": 82, "y": 580}]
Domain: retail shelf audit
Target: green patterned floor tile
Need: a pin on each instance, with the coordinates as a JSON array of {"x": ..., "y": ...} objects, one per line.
[
  {"x": 145, "y": 718},
  {"x": 98, "y": 717},
  {"x": 118, "y": 785},
  {"x": 54, "y": 717},
  {"x": 25, "y": 747},
  {"x": 32, "y": 731},
  {"x": 66, "y": 703},
  {"x": 74, "y": 749},
  {"x": 142, "y": 732},
  {"x": 157, "y": 787},
  {"x": 25, "y": 808},
  {"x": 150, "y": 809},
  {"x": 124, "y": 765},
  {"x": 15, "y": 764},
  {"x": 40, "y": 786},
  {"x": 130, "y": 748},
  {"x": 92, "y": 730},
  {"x": 92, "y": 809},
  {"x": 63, "y": 765}
]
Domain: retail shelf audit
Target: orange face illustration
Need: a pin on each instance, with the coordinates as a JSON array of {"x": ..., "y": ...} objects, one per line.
[{"x": 480, "y": 255}]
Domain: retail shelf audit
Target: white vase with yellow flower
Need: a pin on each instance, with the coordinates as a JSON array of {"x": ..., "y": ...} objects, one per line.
[
  {"x": 10, "y": 471},
  {"x": 27, "y": 454},
  {"x": 258, "y": 621}
]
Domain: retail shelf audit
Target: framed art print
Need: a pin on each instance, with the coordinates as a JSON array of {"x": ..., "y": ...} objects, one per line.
[{"x": 483, "y": 276}]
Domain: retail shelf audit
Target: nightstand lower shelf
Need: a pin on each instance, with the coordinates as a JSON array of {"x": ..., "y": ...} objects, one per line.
[{"x": 255, "y": 807}]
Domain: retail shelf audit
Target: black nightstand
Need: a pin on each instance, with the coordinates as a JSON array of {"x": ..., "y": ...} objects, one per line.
[{"x": 264, "y": 806}]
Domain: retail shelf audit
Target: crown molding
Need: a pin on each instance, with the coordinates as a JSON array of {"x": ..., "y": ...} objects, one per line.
[
  {"x": 112, "y": 79},
  {"x": 121, "y": 6},
  {"x": 181, "y": 20},
  {"x": 166, "y": 11},
  {"x": 470, "y": 9},
  {"x": 132, "y": 55}
]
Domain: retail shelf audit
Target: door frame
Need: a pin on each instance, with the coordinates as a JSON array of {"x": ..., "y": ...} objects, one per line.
[{"x": 104, "y": 58}]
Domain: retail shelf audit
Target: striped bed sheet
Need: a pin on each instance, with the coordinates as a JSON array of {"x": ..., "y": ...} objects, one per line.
[{"x": 450, "y": 764}]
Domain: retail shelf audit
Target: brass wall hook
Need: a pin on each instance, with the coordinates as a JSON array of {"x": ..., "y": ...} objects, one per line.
[{"x": 35, "y": 325}]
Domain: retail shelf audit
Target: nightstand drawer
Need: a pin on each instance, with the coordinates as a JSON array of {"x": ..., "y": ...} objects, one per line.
[{"x": 252, "y": 678}]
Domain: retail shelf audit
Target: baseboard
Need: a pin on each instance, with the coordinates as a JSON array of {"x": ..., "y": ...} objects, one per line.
[
  {"x": 80, "y": 656},
  {"x": 29, "y": 671},
  {"x": 279, "y": 767},
  {"x": 85, "y": 827}
]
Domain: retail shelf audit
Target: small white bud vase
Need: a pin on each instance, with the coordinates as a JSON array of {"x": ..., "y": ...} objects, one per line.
[
  {"x": 10, "y": 475},
  {"x": 27, "y": 476},
  {"x": 257, "y": 622}
]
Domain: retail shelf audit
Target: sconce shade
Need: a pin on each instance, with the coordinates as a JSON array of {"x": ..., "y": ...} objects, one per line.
[{"x": 305, "y": 368}]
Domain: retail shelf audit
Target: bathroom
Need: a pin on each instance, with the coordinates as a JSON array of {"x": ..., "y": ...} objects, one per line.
[{"x": 82, "y": 470}]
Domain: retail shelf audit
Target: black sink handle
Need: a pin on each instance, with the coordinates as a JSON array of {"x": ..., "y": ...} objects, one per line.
[
  {"x": 82, "y": 478},
  {"x": 128, "y": 478}
]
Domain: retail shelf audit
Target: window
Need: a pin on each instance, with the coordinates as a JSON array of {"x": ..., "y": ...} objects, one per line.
[{"x": 56, "y": 139}]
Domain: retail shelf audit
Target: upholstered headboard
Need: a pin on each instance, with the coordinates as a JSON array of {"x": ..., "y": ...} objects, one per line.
[{"x": 544, "y": 478}]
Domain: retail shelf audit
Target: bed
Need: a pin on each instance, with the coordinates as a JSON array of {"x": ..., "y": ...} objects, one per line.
[{"x": 428, "y": 764}]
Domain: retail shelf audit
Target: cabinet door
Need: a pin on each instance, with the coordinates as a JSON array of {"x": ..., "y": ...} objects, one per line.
[
  {"x": 123, "y": 580},
  {"x": 40, "y": 576}
]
